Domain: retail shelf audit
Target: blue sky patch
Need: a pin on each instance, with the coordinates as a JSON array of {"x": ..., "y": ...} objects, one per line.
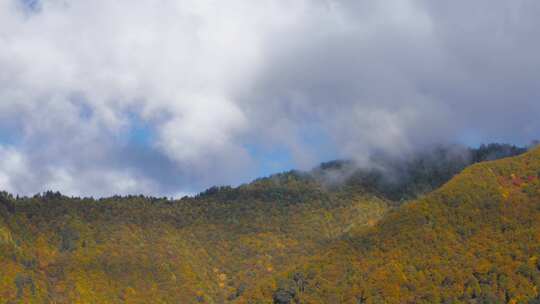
[{"x": 141, "y": 132}]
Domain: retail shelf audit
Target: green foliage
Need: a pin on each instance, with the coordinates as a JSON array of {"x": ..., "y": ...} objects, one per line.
[{"x": 404, "y": 179}]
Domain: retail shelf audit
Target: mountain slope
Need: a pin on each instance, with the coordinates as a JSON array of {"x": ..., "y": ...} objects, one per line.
[
  {"x": 475, "y": 240},
  {"x": 207, "y": 249},
  {"x": 216, "y": 247}
]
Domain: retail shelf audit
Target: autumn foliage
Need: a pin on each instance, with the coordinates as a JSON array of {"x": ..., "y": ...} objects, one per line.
[
  {"x": 289, "y": 238},
  {"x": 475, "y": 240}
]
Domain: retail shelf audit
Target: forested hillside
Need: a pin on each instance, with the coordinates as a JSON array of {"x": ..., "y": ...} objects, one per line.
[
  {"x": 475, "y": 240},
  {"x": 309, "y": 237},
  {"x": 207, "y": 249}
]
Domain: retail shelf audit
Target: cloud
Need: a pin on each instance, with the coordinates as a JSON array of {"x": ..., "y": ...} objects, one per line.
[
  {"x": 74, "y": 73},
  {"x": 13, "y": 166},
  {"x": 208, "y": 80},
  {"x": 395, "y": 78}
]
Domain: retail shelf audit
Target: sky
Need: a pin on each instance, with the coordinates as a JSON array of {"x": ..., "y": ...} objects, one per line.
[{"x": 169, "y": 97}]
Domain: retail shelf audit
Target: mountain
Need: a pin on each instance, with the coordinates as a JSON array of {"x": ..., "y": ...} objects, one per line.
[
  {"x": 253, "y": 243},
  {"x": 405, "y": 177},
  {"x": 207, "y": 249},
  {"x": 474, "y": 240}
]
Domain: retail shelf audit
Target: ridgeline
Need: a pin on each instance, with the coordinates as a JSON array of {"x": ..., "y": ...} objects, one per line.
[{"x": 337, "y": 234}]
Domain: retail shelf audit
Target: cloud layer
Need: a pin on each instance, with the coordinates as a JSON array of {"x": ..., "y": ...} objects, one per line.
[{"x": 102, "y": 97}]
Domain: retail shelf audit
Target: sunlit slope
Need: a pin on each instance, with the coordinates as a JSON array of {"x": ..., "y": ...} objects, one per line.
[
  {"x": 475, "y": 240},
  {"x": 208, "y": 249},
  {"x": 222, "y": 246}
]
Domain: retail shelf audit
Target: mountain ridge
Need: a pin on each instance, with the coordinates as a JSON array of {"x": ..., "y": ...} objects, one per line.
[
  {"x": 474, "y": 240},
  {"x": 220, "y": 246}
]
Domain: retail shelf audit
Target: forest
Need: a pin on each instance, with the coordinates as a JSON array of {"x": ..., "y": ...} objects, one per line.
[
  {"x": 474, "y": 240},
  {"x": 448, "y": 225}
]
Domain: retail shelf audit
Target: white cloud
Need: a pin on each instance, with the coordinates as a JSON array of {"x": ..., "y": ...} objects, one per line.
[
  {"x": 101, "y": 182},
  {"x": 19, "y": 175},
  {"x": 13, "y": 166},
  {"x": 209, "y": 77},
  {"x": 175, "y": 64}
]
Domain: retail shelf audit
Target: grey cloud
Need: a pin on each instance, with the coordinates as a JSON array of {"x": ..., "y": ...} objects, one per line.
[
  {"x": 212, "y": 78},
  {"x": 427, "y": 74}
]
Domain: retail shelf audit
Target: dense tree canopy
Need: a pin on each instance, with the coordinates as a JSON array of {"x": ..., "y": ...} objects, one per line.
[
  {"x": 309, "y": 237},
  {"x": 475, "y": 240}
]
